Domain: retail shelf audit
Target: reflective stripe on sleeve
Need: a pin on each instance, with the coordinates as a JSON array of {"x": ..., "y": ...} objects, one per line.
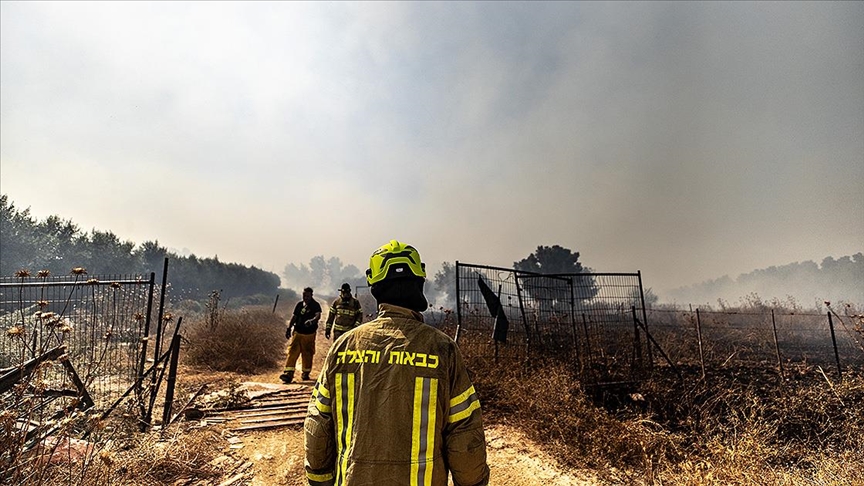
[
  {"x": 322, "y": 398},
  {"x": 344, "y": 421},
  {"x": 423, "y": 431},
  {"x": 320, "y": 478},
  {"x": 463, "y": 405}
]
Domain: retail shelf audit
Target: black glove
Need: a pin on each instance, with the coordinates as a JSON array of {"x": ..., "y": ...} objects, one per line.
[
  {"x": 327, "y": 334},
  {"x": 287, "y": 333}
]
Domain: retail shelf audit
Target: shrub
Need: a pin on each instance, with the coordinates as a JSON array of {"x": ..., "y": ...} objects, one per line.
[
  {"x": 545, "y": 400},
  {"x": 732, "y": 428},
  {"x": 245, "y": 341}
]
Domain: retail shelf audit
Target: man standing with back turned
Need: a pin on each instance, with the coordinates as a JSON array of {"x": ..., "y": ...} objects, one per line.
[
  {"x": 393, "y": 405},
  {"x": 345, "y": 313},
  {"x": 305, "y": 323}
]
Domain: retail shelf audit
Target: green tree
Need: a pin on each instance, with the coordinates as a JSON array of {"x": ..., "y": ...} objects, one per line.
[
  {"x": 151, "y": 257},
  {"x": 109, "y": 255},
  {"x": 17, "y": 239},
  {"x": 58, "y": 245},
  {"x": 557, "y": 260},
  {"x": 551, "y": 260}
]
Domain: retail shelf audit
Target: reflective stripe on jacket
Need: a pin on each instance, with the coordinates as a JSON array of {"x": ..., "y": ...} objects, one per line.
[
  {"x": 394, "y": 406},
  {"x": 346, "y": 314}
]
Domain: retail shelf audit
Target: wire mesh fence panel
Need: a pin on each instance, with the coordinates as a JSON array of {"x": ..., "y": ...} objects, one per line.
[
  {"x": 593, "y": 320},
  {"x": 599, "y": 322},
  {"x": 548, "y": 305},
  {"x": 734, "y": 337},
  {"x": 476, "y": 321},
  {"x": 100, "y": 320},
  {"x": 849, "y": 331},
  {"x": 676, "y": 333},
  {"x": 614, "y": 346}
]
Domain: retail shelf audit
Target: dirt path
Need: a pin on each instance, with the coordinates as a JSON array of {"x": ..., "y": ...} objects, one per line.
[{"x": 275, "y": 457}]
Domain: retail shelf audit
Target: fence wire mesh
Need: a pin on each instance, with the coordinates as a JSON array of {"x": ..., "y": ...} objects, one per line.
[
  {"x": 599, "y": 322},
  {"x": 767, "y": 339},
  {"x": 592, "y": 319},
  {"x": 100, "y": 320}
]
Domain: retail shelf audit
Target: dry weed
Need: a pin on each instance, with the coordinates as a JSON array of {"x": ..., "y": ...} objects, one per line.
[
  {"x": 239, "y": 341},
  {"x": 737, "y": 428}
]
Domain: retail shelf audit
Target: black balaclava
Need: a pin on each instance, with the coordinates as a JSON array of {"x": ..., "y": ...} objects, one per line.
[{"x": 404, "y": 292}]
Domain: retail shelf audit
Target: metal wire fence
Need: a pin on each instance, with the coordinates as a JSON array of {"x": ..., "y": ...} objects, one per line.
[
  {"x": 771, "y": 339},
  {"x": 596, "y": 320},
  {"x": 100, "y": 320},
  {"x": 599, "y": 322}
]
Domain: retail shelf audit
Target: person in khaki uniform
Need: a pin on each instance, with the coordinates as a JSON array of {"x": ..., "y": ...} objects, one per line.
[
  {"x": 346, "y": 313},
  {"x": 304, "y": 320},
  {"x": 393, "y": 404}
]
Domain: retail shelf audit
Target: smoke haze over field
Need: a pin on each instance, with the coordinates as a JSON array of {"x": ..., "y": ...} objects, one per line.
[{"x": 686, "y": 140}]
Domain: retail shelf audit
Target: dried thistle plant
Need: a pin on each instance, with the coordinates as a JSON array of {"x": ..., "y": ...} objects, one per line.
[{"x": 15, "y": 331}]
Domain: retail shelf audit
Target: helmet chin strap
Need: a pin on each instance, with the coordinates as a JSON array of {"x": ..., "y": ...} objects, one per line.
[{"x": 404, "y": 292}]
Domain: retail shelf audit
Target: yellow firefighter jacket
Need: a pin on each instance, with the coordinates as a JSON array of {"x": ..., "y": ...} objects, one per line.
[
  {"x": 346, "y": 313},
  {"x": 394, "y": 406}
]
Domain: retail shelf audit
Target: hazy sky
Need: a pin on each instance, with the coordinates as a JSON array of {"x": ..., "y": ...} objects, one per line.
[{"x": 685, "y": 140}]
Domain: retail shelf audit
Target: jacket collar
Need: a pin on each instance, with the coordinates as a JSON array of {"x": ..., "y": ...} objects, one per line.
[{"x": 394, "y": 311}]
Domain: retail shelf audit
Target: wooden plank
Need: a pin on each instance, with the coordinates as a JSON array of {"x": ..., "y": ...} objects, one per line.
[
  {"x": 270, "y": 406},
  {"x": 10, "y": 378},
  {"x": 269, "y": 412},
  {"x": 254, "y": 405},
  {"x": 255, "y": 410},
  {"x": 276, "y": 398},
  {"x": 268, "y": 426},
  {"x": 283, "y": 400},
  {"x": 277, "y": 418}
]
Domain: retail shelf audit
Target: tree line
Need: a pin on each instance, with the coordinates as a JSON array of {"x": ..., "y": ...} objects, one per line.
[
  {"x": 440, "y": 290},
  {"x": 59, "y": 245},
  {"x": 794, "y": 285}
]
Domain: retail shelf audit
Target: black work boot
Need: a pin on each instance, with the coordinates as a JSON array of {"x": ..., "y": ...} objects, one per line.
[
  {"x": 286, "y": 378},
  {"x": 306, "y": 376}
]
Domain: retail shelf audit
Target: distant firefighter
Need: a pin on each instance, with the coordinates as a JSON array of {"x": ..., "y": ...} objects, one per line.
[
  {"x": 304, "y": 320},
  {"x": 345, "y": 313}
]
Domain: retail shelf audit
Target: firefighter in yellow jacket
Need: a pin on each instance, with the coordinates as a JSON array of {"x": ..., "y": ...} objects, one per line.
[
  {"x": 346, "y": 313},
  {"x": 393, "y": 405}
]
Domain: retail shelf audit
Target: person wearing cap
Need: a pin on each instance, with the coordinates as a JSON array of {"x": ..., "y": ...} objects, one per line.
[
  {"x": 304, "y": 321},
  {"x": 393, "y": 404},
  {"x": 345, "y": 313}
]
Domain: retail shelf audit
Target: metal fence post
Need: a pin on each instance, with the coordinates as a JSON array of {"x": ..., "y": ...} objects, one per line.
[
  {"x": 645, "y": 318},
  {"x": 699, "y": 337},
  {"x": 777, "y": 344},
  {"x": 834, "y": 342},
  {"x": 158, "y": 345},
  {"x": 573, "y": 325},
  {"x": 145, "y": 338},
  {"x": 524, "y": 319},
  {"x": 637, "y": 344},
  {"x": 458, "y": 306},
  {"x": 172, "y": 378}
]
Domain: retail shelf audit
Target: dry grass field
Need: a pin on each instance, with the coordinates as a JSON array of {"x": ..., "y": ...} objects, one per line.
[{"x": 543, "y": 427}]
